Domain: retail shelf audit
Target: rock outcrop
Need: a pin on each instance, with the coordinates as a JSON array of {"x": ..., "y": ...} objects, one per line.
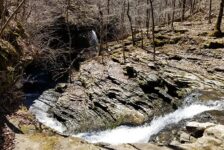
[
  {"x": 106, "y": 92},
  {"x": 111, "y": 94},
  {"x": 212, "y": 138}
]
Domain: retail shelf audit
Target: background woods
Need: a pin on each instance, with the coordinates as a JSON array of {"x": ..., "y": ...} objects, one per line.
[
  {"x": 89, "y": 65},
  {"x": 63, "y": 32}
]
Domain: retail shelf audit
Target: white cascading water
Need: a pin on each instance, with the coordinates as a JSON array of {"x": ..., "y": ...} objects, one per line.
[
  {"x": 40, "y": 110},
  {"x": 93, "y": 39},
  {"x": 140, "y": 134}
]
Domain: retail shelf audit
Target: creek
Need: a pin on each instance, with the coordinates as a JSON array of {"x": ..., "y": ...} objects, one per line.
[{"x": 141, "y": 134}]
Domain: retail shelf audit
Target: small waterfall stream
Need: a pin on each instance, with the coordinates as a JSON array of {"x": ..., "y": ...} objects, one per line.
[
  {"x": 93, "y": 39},
  {"x": 140, "y": 134}
]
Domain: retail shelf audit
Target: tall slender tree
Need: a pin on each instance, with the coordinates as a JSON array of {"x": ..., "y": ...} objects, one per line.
[
  {"x": 123, "y": 29},
  {"x": 153, "y": 30},
  {"x": 131, "y": 23},
  {"x": 183, "y": 10},
  {"x": 217, "y": 29},
  {"x": 210, "y": 12},
  {"x": 147, "y": 18},
  {"x": 107, "y": 22},
  {"x": 173, "y": 14},
  {"x": 69, "y": 37}
]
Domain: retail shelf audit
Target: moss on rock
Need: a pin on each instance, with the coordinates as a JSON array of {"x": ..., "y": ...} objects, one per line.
[{"x": 161, "y": 40}]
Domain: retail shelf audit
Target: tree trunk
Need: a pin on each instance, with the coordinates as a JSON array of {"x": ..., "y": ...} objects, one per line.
[
  {"x": 173, "y": 14},
  {"x": 218, "y": 31},
  {"x": 107, "y": 23},
  {"x": 101, "y": 31},
  {"x": 183, "y": 10},
  {"x": 153, "y": 31},
  {"x": 131, "y": 25},
  {"x": 101, "y": 25},
  {"x": 108, "y": 7},
  {"x": 123, "y": 30},
  {"x": 210, "y": 12},
  {"x": 192, "y": 6},
  {"x": 147, "y": 19},
  {"x": 70, "y": 39}
]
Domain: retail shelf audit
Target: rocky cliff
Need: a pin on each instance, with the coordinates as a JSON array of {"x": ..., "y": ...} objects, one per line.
[{"x": 111, "y": 93}]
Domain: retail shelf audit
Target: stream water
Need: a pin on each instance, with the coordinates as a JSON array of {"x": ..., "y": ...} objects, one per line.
[{"x": 141, "y": 134}]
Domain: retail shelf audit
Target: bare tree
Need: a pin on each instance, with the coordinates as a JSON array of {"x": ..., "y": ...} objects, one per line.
[
  {"x": 147, "y": 18},
  {"x": 123, "y": 29},
  {"x": 69, "y": 37},
  {"x": 192, "y": 2},
  {"x": 131, "y": 23},
  {"x": 217, "y": 30},
  {"x": 153, "y": 30},
  {"x": 173, "y": 14},
  {"x": 108, "y": 7},
  {"x": 107, "y": 22},
  {"x": 210, "y": 12},
  {"x": 183, "y": 10},
  {"x": 101, "y": 29}
]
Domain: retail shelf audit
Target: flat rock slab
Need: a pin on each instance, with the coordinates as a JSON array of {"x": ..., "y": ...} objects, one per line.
[{"x": 42, "y": 142}]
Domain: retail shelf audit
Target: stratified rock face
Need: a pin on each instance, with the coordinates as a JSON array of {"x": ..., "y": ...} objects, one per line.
[
  {"x": 105, "y": 95},
  {"x": 102, "y": 97}
]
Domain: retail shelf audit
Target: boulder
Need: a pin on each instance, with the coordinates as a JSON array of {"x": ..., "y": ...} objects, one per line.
[
  {"x": 186, "y": 138},
  {"x": 213, "y": 138},
  {"x": 196, "y": 129},
  {"x": 215, "y": 131}
]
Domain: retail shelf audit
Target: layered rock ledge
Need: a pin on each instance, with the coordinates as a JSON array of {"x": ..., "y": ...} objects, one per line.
[{"x": 111, "y": 93}]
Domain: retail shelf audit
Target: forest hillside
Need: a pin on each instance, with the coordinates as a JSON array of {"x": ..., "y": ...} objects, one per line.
[{"x": 111, "y": 74}]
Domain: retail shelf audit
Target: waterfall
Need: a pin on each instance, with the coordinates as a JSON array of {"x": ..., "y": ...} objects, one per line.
[
  {"x": 40, "y": 109},
  {"x": 93, "y": 39},
  {"x": 142, "y": 134}
]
